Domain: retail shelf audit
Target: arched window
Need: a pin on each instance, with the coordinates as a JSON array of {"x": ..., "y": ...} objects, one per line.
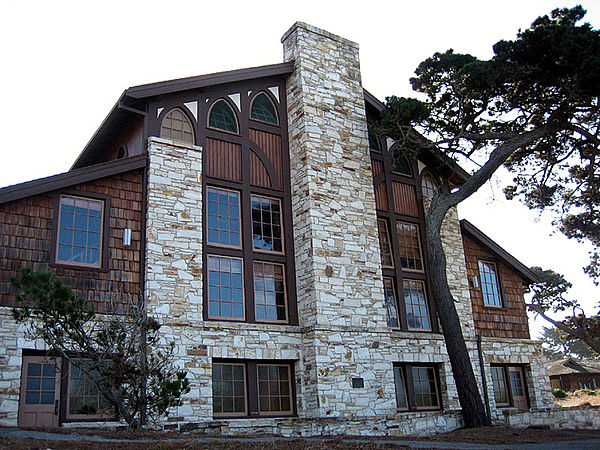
[
  {"x": 429, "y": 185},
  {"x": 263, "y": 109},
  {"x": 177, "y": 126},
  {"x": 222, "y": 117},
  {"x": 373, "y": 141},
  {"x": 400, "y": 163}
]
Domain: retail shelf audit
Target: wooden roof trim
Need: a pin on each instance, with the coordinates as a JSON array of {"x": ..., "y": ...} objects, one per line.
[
  {"x": 76, "y": 176},
  {"x": 460, "y": 175},
  {"x": 183, "y": 84},
  {"x": 469, "y": 228}
]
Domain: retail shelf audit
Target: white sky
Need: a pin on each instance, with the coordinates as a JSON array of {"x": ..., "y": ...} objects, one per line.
[{"x": 65, "y": 63}]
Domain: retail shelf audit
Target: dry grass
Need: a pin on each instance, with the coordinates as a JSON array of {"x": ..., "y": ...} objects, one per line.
[{"x": 578, "y": 398}]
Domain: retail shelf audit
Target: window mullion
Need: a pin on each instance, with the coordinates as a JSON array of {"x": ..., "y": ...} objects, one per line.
[{"x": 252, "y": 388}]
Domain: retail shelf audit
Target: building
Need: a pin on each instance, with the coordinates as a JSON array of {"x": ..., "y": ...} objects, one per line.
[
  {"x": 569, "y": 374},
  {"x": 279, "y": 245}
]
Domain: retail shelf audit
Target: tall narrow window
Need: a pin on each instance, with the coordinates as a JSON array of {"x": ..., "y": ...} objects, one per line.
[
  {"x": 229, "y": 389},
  {"x": 390, "y": 302},
  {"x": 401, "y": 398},
  {"x": 222, "y": 117},
  {"x": 85, "y": 401},
  {"x": 263, "y": 109},
  {"x": 223, "y": 217},
  {"x": 401, "y": 164},
  {"x": 80, "y": 231},
  {"x": 417, "y": 314},
  {"x": 373, "y": 141},
  {"x": 384, "y": 244},
  {"x": 425, "y": 385},
  {"x": 266, "y": 224},
  {"x": 500, "y": 387},
  {"x": 176, "y": 126},
  {"x": 269, "y": 292},
  {"x": 410, "y": 246},
  {"x": 489, "y": 284},
  {"x": 429, "y": 185},
  {"x": 225, "y": 293}
]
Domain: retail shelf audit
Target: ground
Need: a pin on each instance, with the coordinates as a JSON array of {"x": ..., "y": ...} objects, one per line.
[
  {"x": 578, "y": 398},
  {"x": 170, "y": 441}
]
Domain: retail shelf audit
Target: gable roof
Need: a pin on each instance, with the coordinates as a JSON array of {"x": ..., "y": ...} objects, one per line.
[
  {"x": 430, "y": 155},
  {"x": 571, "y": 366},
  {"x": 131, "y": 101},
  {"x": 476, "y": 233},
  {"x": 71, "y": 178}
]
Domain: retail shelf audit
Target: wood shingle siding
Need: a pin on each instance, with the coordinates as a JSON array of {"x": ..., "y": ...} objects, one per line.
[
  {"x": 509, "y": 320},
  {"x": 27, "y": 228}
]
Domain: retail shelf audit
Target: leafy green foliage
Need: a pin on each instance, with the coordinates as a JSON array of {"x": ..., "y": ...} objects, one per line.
[
  {"x": 558, "y": 345},
  {"x": 120, "y": 352},
  {"x": 559, "y": 393}
]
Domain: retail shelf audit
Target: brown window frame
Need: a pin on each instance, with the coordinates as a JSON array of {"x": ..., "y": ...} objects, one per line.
[
  {"x": 252, "y": 388},
  {"x": 405, "y": 269},
  {"x": 506, "y": 371},
  {"x": 386, "y": 178},
  {"x": 232, "y": 414},
  {"x": 235, "y": 115},
  {"x": 244, "y": 308},
  {"x": 406, "y": 372},
  {"x": 280, "y": 225},
  {"x": 254, "y": 97},
  {"x": 389, "y": 242},
  {"x": 496, "y": 265},
  {"x": 189, "y": 121},
  {"x": 104, "y": 237},
  {"x": 287, "y": 315},
  {"x": 218, "y": 244},
  {"x": 411, "y": 280},
  {"x": 279, "y": 191}
]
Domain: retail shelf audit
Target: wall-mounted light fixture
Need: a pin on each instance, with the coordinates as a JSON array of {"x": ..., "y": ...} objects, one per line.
[{"x": 126, "y": 237}]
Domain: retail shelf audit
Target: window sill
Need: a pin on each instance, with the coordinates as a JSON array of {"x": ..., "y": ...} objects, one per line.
[{"x": 78, "y": 267}]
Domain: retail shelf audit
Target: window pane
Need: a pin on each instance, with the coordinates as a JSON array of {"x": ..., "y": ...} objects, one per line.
[
  {"x": 84, "y": 397},
  {"x": 263, "y": 109},
  {"x": 384, "y": 244},
  {"x": 224, "y": 299},
  {"x": 400, "y": 163},
  {"x": 223, "y": 222},
  {"x": 373, "y": 141},
  {"x": 229, "y": 393},
  {"x": 417, "y": 313},
  {"x": 177, "y": 126},
  {"x": 410, "y": 246},
  {"x": 425, "y": 387},
  {"x": 489, "y": 284},
  {"x": 79, "y": 232},
  {"x": 390, "y": 302},
  {"x": 429, "y": 185},
  {"x": 401, "y": 401},
  {"x": 266, "y": 224},
  {"x": 273, "y": 398},
  {"x": 499, "y": 383},
  {"x": 269, "y": 292},
  {"x": 222, "y": 117}
]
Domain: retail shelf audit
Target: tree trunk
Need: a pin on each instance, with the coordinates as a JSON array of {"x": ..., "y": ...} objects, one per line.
[{"x": 473, "y": 410}]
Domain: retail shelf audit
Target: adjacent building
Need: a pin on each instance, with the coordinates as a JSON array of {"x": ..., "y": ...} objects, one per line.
[{"x": 280, "y": 245}]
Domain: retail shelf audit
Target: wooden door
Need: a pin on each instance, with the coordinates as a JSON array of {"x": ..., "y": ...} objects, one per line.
[
  {"x": 517, "y": 388},
  {"x": 40, "y": 392}
]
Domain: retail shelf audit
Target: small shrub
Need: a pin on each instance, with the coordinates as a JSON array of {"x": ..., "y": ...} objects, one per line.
[
  {"x": 586, "y": 392},
  {"x": 559, "y": 393}
]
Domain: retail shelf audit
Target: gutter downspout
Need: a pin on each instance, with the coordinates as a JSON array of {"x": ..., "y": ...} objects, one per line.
[{"x": 483, "y": 380}]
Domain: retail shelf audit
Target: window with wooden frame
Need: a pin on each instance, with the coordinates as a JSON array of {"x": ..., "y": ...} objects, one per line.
[
  {"x": 84, "y": 401},
  {"x": 247, "y": 208},
  {"x": 257, "y": 388},
  {"x": 490, "y": 284},
  {"x": 417, "y": 387},
  {"x": 510, "y": 388},
  {"x": 263, "y": 109},
  {"x": 80, "y": 231},
  {"x": 222, "y": 117},
  {"x": 429, "y": 184},
  {"x": 400, "y": 221},
  {"x": 176, "y": 126}
]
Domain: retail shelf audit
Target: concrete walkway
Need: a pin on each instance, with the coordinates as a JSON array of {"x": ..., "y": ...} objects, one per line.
[{"x": 592, "y": 444}]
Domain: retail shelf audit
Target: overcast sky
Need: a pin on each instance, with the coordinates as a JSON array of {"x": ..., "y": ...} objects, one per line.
[{"x": 65, "y": 63}]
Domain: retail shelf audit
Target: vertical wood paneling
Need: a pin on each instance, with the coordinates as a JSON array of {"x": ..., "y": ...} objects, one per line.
[
  {"x": 223, "y": 160},
  {"x": 405, "y": 199},
  {"x": 260, "y": 176},
  {"x": 377, "y": 167},
  {"x": 381, "y": 200},
  {"x": 270, "y": 144}
]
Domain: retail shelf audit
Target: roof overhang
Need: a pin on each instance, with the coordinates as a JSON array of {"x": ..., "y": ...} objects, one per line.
[
  {"x": 476, "y": 233},
  {"x": 71, "y": 178}
]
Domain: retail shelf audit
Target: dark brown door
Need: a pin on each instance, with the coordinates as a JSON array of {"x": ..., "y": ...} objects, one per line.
[
  {"x": 40, "y": 392},
  {"x": 517, "y": 387}
]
